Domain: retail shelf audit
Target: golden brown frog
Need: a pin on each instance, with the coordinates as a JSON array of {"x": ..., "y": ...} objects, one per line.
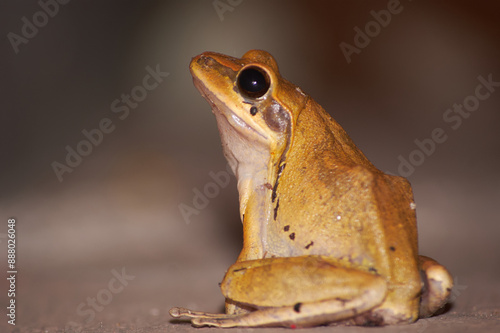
[{"x": 327, "y": 236}]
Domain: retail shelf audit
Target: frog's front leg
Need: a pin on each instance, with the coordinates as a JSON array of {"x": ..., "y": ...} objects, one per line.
[{"x": 295, "y": 292}]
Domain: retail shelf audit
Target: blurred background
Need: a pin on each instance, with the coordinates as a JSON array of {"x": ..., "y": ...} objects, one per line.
[{"x": 81, "y": 67}]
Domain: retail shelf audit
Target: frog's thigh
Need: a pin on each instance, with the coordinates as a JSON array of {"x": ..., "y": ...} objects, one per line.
[
  {"x": 437, "y": 286},
  {"x": 300, "y": 291}
]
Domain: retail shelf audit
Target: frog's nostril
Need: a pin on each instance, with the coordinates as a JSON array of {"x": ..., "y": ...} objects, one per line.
[{"x": 206, "y": 60}]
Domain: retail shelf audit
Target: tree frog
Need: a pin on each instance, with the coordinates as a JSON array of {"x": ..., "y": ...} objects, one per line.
[{"x": 328, "y": 238}]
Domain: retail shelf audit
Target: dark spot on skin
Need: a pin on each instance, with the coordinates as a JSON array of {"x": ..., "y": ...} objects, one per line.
[
  {"x": 286, "y": 228},
  {"x": 268, "y": 186},
  {"x": 309, "y": 245},
  {"x": 253, "y": 110},
  {"x": 275, "y": 188},
  {"x": 292, "y": 236},
  {"x": 239, "y": 269},
  {"x": 448, "y": 289},
  {"x": 342, "y": 300},
  {"x": 276, "y": 209},
  {"x": 371, "y": 269},
  {"x": 392, "y": 248},
  {"x": 273, "y": 197},
  {"x": 296, "y": 307}
]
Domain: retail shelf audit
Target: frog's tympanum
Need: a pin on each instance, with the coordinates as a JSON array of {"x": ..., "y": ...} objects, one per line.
[{"x": 328, "y": 238}]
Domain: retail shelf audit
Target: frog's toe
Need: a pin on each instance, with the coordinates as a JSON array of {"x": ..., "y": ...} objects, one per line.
[
  {"x": 175, "y": 312},
  {"x": 178, "y": 312},
  {"x": 200, "y": 322},
  {"x": 198, "y": 317}
]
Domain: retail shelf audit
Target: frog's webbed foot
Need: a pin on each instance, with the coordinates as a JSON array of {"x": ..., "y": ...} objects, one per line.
[{"x": 200, "y": 318}]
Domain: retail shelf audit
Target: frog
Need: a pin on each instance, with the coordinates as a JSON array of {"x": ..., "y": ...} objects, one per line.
[{"x": 328, "y": 239}]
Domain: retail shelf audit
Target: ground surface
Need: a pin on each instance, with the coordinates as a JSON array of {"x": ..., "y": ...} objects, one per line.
[{"x": 49, "y": 304}]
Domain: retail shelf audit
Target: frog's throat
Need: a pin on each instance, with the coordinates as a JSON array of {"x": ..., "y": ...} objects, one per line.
[{"x": 257, "y": 188}]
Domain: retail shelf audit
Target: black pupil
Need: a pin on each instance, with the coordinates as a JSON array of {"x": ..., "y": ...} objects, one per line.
[{"x": 253, "y": 82}]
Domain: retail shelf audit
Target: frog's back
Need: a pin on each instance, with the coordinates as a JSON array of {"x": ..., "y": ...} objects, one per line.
[{"x": 332, "y": 201}]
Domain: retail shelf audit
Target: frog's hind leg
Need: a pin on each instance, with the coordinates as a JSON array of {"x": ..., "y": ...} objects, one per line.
[
  {"x": 298, "y": 315},
  {"x": 437, "y": 287},
  {"x": 296, "y": 292}
]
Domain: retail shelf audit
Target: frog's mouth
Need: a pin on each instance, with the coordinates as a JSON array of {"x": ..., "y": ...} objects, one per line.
[{"x": 235, "y": 121}]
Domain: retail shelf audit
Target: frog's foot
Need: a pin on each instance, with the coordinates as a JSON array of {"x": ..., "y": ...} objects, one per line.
[
  {"x": 178, "y": 312},
  {"x": 437, "y": 286},
  {"x": 294, "y": 292},
  {"x": 298, "y": 315}
]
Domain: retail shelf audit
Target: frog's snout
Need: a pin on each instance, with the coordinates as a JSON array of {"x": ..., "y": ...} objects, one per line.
[{"x": 204, "y": 60}]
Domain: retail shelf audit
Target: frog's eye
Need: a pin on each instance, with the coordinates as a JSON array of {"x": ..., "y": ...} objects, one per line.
[{"x": 253, "y": 82}]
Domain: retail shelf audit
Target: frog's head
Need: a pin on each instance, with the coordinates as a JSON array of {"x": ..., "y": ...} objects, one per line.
[{"x": 254, "y": 106}]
